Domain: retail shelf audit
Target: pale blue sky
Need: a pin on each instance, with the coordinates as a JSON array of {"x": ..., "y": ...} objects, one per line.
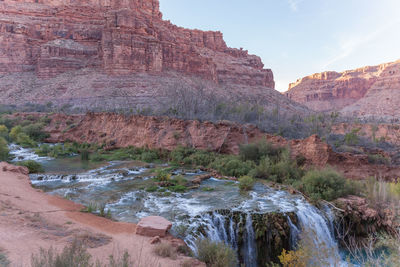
[{"x": 296, "y": 38}]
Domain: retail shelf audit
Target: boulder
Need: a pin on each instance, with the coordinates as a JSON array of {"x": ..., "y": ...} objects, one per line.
[{"x": 153, "y": 226}]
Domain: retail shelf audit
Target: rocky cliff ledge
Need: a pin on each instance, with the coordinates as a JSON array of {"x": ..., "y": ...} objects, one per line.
[
  {"x": 121, "y": 51},
  {"x": 368, "y": 91}
]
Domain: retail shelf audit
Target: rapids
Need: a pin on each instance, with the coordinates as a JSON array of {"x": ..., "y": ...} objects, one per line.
[{"x": 216, "y": 210}]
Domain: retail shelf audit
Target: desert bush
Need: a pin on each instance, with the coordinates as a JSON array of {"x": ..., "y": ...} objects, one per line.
[
  {"x": 352, "y": 137},
  {"x": 4, "y": 151},
  {"x": 215, "y": 254},
  {"x": 165, "y": 250},
  {"x": 33, "y": 166},
  {"x": 381, "y": 193},
  {"x": 4, "y": 262},
  {"x": 73, "y": 255},
  {"x": 246, "y": 183},
  {"x": 378, "y": 159},
  {"x": 325, "y": 184}
]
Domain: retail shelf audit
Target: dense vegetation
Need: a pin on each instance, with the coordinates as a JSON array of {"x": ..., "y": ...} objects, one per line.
[{"x": 260, "y": 160}]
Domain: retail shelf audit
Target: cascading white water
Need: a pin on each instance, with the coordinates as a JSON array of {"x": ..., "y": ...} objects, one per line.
[
  {"x": 198, "y": 208},
  {"x": 317, "y": 229},
  {"x": 250, "y": 254}
]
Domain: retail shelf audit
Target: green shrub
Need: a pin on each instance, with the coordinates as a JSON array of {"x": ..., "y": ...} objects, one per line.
[
  {"x": 215, "y": 254},
  {"x": 199, "y": 158},
  {"x": 84, "y": 155},
  {"x": 152, "y": 188},
  {"x": 180, "y": 153},
  {"x": 255, "y": 152},
  {"x": 232, "y": 166},
  {"x": 149, "y": 156},
  {"x": 4, "y": 132},
  {"x": 324, "y": 184},
  {"x": 33, "y": 166},
  {"x": 162, "y": 176},
  {"x": 283, "y": 171},
  {"x": 4, "y": 151},
  {"x": 178, "y": 188},
  {"x": 246, "y": 183},
  {"x": 35, "y": 131},
  {"x": 15, "y": 131},
  {"x": 352, "y": 137}
]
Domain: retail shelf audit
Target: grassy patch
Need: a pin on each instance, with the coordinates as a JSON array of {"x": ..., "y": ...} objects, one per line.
[{"x": 165, "y": 250}]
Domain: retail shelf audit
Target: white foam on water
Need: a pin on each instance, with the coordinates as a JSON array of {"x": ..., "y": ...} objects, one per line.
[{"x": 22, "y": 154}]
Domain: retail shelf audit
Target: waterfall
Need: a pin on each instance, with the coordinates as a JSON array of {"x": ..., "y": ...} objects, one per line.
[
  {"x": 314, "y": 227},
  {"x": 294, "y": 233},
  {"x": 250, "y": 251},
  {"x": 318, "y": 232},
  {"x": 223, "y": 228}
]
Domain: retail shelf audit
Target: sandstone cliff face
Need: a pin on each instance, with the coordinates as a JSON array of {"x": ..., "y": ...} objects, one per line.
[
  {"x": 368, "y": 91},
  {"x": 116, "y": 131},
  {"x": 67, "y": 51}
]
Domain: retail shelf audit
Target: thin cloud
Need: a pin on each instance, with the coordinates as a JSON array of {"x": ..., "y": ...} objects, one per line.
[
  {"x": 294, "y": 4},
  {"x": 351, "y": 45}
]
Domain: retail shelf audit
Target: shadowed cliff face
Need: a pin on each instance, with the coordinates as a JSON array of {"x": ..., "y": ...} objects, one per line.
[
  {"x": 67, "y": 51},
  {"x": 116, "y": 131},
  {"x": 368, "y": 91}
]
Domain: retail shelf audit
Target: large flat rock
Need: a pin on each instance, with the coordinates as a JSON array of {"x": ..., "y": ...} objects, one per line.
[{"x": 153, "y": 226}]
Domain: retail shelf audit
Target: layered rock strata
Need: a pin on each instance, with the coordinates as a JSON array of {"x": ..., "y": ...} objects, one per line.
[
  {"x": 364, "y": 92},
  {"x": 113, "y": 54}
]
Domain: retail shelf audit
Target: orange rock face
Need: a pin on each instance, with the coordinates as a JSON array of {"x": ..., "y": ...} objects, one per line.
[
  {"x": 368, "y": 91},
  {"x": 70, "y": 51}
]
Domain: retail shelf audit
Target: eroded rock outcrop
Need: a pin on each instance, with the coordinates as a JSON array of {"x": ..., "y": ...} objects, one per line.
[
  {"x": 368, "y": 91},
  {"x": 358, "y": 219},
  {"x": 112, "y": 54}
]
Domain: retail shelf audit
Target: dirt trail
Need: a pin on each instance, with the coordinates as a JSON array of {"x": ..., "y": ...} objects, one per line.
[{"x": 31, "y": 219}]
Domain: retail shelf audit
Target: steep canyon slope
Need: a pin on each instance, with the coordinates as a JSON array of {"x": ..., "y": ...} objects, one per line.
[
  {"x": 116, "y": 54},
  {"x": 372, "y": 91}
]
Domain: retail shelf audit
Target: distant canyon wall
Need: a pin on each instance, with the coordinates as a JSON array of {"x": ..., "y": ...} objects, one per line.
[{"x": 365, "y": 92}]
